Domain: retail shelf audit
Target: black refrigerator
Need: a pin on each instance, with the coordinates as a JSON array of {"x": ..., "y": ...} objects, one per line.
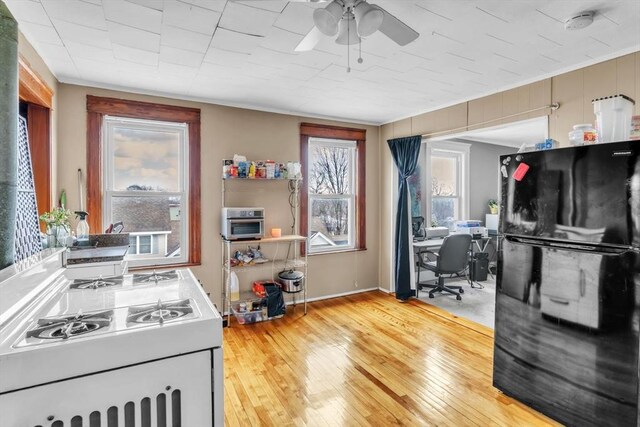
[{"x": 568, "y": 283}]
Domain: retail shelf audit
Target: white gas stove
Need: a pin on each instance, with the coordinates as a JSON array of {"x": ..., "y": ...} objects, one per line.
[{"x": 133, "y": 350}]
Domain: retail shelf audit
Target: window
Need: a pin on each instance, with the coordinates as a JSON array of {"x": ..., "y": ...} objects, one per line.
[
  {"x": 145, "y": 181},
  {"x": 447, "y": 166},
  {"x": 143, "y": 169},
  {"x": 331, "y": 194},
  {"x": 444, "y": 165},
  {"x": 140, "y": 244},
  {"x": 332, "y": 213}
]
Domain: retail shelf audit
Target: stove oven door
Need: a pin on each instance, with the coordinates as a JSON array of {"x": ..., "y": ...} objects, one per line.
[{"x": 171, "y": 392}]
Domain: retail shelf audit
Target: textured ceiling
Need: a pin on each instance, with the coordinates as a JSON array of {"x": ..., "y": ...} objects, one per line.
[{"x": 242, "y": 52}]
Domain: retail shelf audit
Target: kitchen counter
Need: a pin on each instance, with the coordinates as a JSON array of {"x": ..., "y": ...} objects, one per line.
[{"x": 98, "y": 254}]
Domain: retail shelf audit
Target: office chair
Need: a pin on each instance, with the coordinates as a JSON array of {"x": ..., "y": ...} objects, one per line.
[
  {"x": 417, "y": 227},
  {"x": 451, "y": 259}
]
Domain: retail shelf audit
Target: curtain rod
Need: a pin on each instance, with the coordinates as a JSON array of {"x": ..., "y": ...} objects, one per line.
[{"x": 554, "y": 106}]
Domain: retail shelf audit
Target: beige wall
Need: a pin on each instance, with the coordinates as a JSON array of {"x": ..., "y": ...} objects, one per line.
[
  {"x": 36, "y": 63},
  {"x": 258, "y": 135},
  {"x": 574, "y": 91}
]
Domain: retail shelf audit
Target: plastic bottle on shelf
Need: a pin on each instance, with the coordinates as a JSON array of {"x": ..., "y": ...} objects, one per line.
[
  {"x": 82, "y": 230},
  {"x": 234, "y": 286}
]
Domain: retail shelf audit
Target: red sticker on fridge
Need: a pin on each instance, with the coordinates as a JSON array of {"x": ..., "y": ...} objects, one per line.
[{"x": 520, "y": 171}]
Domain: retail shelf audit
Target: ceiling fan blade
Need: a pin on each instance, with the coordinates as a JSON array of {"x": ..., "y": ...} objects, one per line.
[
  {"x": 309, "y": 41},
  {"x": 395, "y": 29}
]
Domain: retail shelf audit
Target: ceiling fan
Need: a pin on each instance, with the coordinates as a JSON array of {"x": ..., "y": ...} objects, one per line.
[{"x": 352, "y": 20}]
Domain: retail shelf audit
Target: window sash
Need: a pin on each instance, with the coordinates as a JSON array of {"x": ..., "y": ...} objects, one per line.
[
  {"x": 457, "y": 157},
  {"x": 351, "y": 222},
  {"x": 111, "y": 122},
  {"x": 331, "y": 143}
]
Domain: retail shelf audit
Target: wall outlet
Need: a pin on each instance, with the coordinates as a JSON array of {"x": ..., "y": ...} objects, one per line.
[{"x": 355, "y": 283}]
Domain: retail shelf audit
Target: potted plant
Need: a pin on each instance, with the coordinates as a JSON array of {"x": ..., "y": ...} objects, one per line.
[
  {"x": 57, "y": 226},
  {"x": 493, "y": 206}
]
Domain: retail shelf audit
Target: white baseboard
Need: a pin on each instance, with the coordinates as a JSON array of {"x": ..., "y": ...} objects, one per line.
[
  {"x": 386, "y": 291},
  {"x": 299, "y": 299},
  {"x": 342, "y": 294}
]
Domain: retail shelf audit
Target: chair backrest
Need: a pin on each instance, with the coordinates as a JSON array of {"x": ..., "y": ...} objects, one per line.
[
  {"x": 416, "y": 224},
  {"x": 454, "y": 253}
]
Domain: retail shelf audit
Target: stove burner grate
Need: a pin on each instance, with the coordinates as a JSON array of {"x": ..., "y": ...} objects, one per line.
[
  {"x": 155, "y": 277},
  {"x": 100, "y": 282},
  {"x": 160, "y": 312},
  {"x": 70, "y": 326}
]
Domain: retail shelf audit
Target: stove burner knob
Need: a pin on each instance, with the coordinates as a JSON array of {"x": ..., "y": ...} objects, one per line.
[
  {"x": 50, "y": 418},
  {"x": 168, "y": 388}
]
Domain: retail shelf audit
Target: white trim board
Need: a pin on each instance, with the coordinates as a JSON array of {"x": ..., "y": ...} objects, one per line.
[
  {"x": 331, "y": 296},
  {"x": 342, "y": 294}
]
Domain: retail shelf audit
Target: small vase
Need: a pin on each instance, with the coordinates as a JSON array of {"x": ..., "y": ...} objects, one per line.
[
  {"x": 61, "y": 236},
  {"x": 56, "y": 236},
  {"x": 51, "y": 232},
  {"x": 493, "y": 210}
]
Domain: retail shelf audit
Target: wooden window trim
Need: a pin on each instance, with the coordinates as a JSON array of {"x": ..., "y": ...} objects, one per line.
[
  {"x": 312, "y": 130},
  {"x": 39, "y": 131},
  {"x": 38, "y": 96},
  {"x": 31, "y": 87},
  {"x": 97, "y": 108}
]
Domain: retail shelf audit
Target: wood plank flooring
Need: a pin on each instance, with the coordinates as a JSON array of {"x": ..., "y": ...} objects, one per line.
[{"x": 365, "y": 360}]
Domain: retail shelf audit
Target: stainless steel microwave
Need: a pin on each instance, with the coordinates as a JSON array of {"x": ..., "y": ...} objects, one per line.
[{"x": 242, "y": 223}]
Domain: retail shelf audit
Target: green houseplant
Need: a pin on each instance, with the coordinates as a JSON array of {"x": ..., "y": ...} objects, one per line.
[
  {"x": 493, "y": 206},
  {"x": 57, "y": 226}
]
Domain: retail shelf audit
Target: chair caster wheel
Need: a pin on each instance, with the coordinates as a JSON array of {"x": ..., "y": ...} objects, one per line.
[
  {"x": 431, "y": 296},
  {"x": 458, "y": 297},
  {"x": 462, "y": 291}
]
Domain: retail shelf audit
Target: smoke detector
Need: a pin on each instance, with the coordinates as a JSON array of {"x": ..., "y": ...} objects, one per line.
[{"x": 579, "y": 21}]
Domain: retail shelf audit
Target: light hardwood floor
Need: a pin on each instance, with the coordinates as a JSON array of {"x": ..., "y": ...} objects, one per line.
[{"x": 365, "y": 360}]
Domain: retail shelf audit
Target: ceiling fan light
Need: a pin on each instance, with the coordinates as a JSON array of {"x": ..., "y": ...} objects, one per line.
[
  {"x": 327, "y": 19},
  {"x": 348, "y": 32},
  {"x": 368, "y": 19}
]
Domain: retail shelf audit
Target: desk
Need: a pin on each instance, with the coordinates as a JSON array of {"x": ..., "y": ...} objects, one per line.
[
  {"x": 428, "y": 244},
  {"x": 481, "y": 243}
]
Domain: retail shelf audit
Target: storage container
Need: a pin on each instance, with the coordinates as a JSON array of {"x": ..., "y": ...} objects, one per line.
[
  {"x": 255, "y": 311},
  {"x": 583, "y": 134},
  {"x": 613, "y": 117},
  {"x": 246, "y": 317}
]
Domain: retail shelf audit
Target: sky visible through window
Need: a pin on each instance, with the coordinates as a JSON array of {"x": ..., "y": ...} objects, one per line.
[{"x": 146, "y": 158}]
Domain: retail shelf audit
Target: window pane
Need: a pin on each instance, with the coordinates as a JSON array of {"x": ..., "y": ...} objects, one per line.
[
  {"x": 133, "y": 245},
  {"x": 415, "y": 191},
  {"x": 443, "y": 176},
  {"x": 329, "y": 170},
  {"x": 146, "y": 159},
  {"x": 443, "y": 211},
  {"x": 145, "y": 244},
  {"x": 329, "y": 224},
  {"x": 151, "y": 216}
]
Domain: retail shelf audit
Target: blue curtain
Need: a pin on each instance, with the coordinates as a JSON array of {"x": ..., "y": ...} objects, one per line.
[{"x": 405, "y": 152}]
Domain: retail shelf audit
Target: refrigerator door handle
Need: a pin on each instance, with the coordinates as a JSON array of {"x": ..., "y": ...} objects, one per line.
[
  {"x": 558, "y": 301},
  {"x": 581, "y": 247},
  {"x": 583, "y": 284}
]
